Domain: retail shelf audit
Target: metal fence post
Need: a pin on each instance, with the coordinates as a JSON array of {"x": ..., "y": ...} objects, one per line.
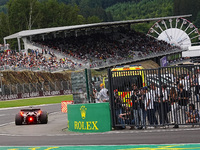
[
  {"x": 29, "y": 87},
  {"x": 16, "y": 89},
  {"x": 23, "y": 87},
  {"x": 49, "y": 86},
  {"x": 61, "y": 83},
  {"x": 42, "y": 86},
  {"x": 3, "y": 89},
  {"x": 67, "y": 85},
  {"x": 87, "y": 86},
  {"x": 111, "y": 97},
  {"x": 161, "y": 97},
  {"x": 10, "y": 89}
]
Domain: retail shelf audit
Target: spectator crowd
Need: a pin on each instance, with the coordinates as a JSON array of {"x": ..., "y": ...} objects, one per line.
[
  {"x": 104, "y": 48},
  {"x": 31, "y": 60},
  {"x": 93, "y": 50},
  {"x": 175, "y": 102}
]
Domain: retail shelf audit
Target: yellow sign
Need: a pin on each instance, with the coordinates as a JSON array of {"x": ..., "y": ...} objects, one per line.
[
  {"x": 87, "y": 125},
  {"x": 83, "y": 112}
]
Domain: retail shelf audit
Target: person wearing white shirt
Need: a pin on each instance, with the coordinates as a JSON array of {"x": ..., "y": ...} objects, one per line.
[
  {"x": 151, "y": 96},
  {"x": 163, "y": 101},
  {"x": 103, "y": 94}
]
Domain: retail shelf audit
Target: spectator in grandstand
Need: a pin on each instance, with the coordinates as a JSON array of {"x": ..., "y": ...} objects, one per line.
[
  {"x": 103, "y": 94},
  {"x": 174, "y": 107},
  {"x": 192, "y": 114}
]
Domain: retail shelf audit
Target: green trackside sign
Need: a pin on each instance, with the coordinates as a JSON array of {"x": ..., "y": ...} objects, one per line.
[{"x": 93, "y": 117}]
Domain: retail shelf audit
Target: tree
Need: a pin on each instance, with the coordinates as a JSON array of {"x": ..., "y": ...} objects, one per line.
[
  {"x": 93, "y": 19},
  {"x": 22, "y": 14},
  {"x": 185, "y": 7},
  {"x": 4, "y": 30},
  {"x": 197, "y": 21}
]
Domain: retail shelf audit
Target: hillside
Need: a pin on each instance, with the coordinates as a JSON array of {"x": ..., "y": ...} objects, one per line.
[{"x": 54, "y": 13}]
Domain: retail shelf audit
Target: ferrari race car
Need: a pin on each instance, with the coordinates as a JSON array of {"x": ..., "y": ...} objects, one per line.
[{"x": 31, "y": 116}]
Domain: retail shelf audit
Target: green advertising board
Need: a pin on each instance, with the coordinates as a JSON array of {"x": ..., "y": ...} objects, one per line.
[{"x": 93, "y": 117}]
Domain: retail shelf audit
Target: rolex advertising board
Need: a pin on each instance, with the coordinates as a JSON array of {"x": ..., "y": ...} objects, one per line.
[{"x": 93, "y": 117}]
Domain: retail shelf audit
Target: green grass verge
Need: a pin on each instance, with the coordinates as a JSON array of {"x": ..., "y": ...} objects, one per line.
[{"x": 35, "y": 101}]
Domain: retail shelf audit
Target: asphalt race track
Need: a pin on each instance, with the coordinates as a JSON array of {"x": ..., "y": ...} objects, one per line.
[{"x": 55, "y": 133}]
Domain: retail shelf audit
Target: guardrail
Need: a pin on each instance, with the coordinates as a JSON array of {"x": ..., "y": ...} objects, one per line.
[{"x": 28, "y": 90}]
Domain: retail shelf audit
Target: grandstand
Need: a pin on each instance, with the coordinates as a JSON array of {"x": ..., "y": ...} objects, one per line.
[{"x": 96, "y": 46}]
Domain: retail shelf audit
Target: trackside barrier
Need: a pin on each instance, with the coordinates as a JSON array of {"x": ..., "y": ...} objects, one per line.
[
  {"x": 87, "y": 118},
  {"x": 64, "y": 105}
]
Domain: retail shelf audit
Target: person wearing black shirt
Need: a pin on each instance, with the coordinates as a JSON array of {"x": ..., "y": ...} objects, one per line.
[
  {"x": 138, "y": 106},
  {"x": 183, "y": 99},
  {"x": 174, "y": 107},
  {"x": 163, "y": 100},
  {"x": 118, "y": 109}
]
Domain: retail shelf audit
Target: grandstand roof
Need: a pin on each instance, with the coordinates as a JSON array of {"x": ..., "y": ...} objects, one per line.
[{"x": 85, "y": 26}]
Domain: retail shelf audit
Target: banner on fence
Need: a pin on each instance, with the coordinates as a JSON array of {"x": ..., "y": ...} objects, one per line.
[{"x": 34, "y": 94}]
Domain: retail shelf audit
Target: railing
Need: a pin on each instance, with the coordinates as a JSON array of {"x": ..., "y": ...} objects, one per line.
[
  {"x": 155, "y": 97},
  {"x": 27, "y": 90}
]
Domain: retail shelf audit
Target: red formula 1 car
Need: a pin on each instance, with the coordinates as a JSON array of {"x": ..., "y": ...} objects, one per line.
[{"x": 31, "y": 116}]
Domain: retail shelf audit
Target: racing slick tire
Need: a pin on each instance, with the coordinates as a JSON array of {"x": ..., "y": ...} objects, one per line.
[
  {"x": 44, "y": 117},
  {"x": 18, "y": 119}
]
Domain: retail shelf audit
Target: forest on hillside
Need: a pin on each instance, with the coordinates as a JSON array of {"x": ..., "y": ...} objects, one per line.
[{"x": 18, "y": 15}]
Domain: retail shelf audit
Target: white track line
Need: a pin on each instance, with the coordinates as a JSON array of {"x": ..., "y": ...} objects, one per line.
[
  {"x": 26, "y": 106},
  {"x": 5, "y": 124}
]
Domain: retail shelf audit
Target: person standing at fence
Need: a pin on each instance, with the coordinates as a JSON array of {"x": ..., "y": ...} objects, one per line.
[
  {"x": 137, "y": 109},
  {"x": 118, "y": 107},
  {"x": 127, "y": 118},
  {"x": 184, "y": 82},
  {"x": 157, "y": 103},
  {"x": 103, "y": 94},
  {"x": 163, "y": 100},
  {"x": 94, "y": 95},
  {"x": 183, "y": 100},
  {"x": 174, "y": 107},
  {"x": 134, "y": 100},
  {"x": 150, "y": 106},
  {"x": 196, "y": 85},
  {"x": 192, "y": 114},
  {"x": 144, "y": 98},
  {"x": 142, "y": 117}
]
